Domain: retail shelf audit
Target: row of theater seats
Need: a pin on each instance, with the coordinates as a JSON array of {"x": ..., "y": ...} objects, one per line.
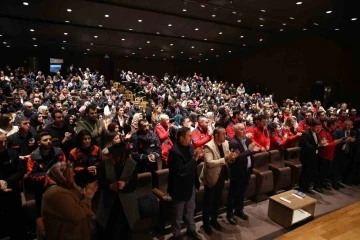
[{"x": 272, "y": 171}]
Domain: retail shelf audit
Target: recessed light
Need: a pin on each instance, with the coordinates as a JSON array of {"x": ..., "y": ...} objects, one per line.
[
  {"x": 353, "y": 19},
  {"x": 217, "y": 55},
  {"x": 4, "y": 42},
  {"x": 64, "y": 41},
  {"x": 164, "y": 59},
  {"x": 199, "y": 61},
  {"x": 157, "y": 32},
  {"x": 192, "y": 47},
  {"x": 220, "y": 33},
  {"x": 299, "y": 3},
  {"x": 284, "y": 24},
  {"x": 190, "y": 58},
  {"x": 337, "y": 29},
  {"x": 244, "y": 45},
  {"x": 239, "y": 20},
  {"x": 172, "y": 56},
  {"x": 202, "y": 6},
  {"x": 213, "y": 15},
  {"x": 130, "y": 29},
  {"x": 196, "y": 29},
  {"x": 148, "y": 42},
  {"x": 182, "y": 36},
  {"x": 206, "y": 59},
  {"x": 304, "y": 29},
  {"x": 261, "y": 25},
  {"x": 205, "y": 39},
  {"x": 261, "y": 19},
  {"x": 328, "y": 12},
  {"x": 316, "y": 24},
  {"x": 7, "y": 46},
  {"x": 260, "y": 40},
  {"x": 88, "y": 49},
  {"x": 69, "y": 10},
  {"x": 161, "y": 50},
  {"x": 139, "y": 20},
  {"x": 146, "y": 57},
  {"x": 281, "y": 30},
  {"x": 241, "y": 36},
  {"x": 67, "y": 21},
  {"x": 263, "y": 10},
  {"x": 100, "y": 25},
  {"x": 182, "y": 52},
  {"x": 153, "y": 55},
  {"x": 229, "y": 51},
  {"x": 169, "y": 25},
  {"x": 171, "y": 44},
  {"x": 0, "y": 35},
  {"x": 26, "y": 3},
  {"x": 65, "y": 33},
  {"x": 123, "y": 39},
  {"x": 32, "y": 30},
  {"x": 200, "y": 54},
  {"x": 184, "y": 10},
  {"x": 106, "y": 15},
  {"x": 212, "y": 49},
  {"x": 291, "y": 18},
  {"x": 85, "y": 53},
  {"x": 91, "y": 44},
  {"x": 95, "y": 36},
  {"x": 126, "y": 56},
  {"x": 133, "y": 53},
  {"x": 234, "y": 12},
  {"x": 62, "y": 48},
  {"x": 34, "y": 39}
]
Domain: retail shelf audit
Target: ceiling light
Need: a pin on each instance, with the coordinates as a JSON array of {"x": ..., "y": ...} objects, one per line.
[
  {"x": 164, "y": 59},
  {"x": 4, "y": 42},
  {"x": 217, "y": 55},
  {"x": 130, "y": 29},
  {"x": 146, "y": 57},
  {"x": 196, "y": 29},
  {"x": 284, "y": 24},
  {"x": 123, "y": 39},
  {"x": 316, "y": 24},
  {"x": 244, "y": 45},
  {"x": 64, "y": 41},
  {"x": 7, "y": 46},
  {"x": 65, "y": 33},
  {"x": 234, "y": 12},
  {"x": 148, "y": 42},
  {"x": 106, "y": 15},
  {"x": 192, "y": 47},
  {"x": 213, "y": 15},
  {"x": 157, "y": 32},
  {"x": 67, "y": 21},
  {"x": 182, "y": 36},
  {"x": 263, "y": 10},
  {"x": 85, "y": 53},
  {"x": 26, "y": 3},
  {"x": 239, "y": 20},
  {"x": 328, "y": 12},
  {"x": 62, "y": 48},
  {"x": 261, "y": 25},
  {"x": 161, "y": 50},
  {"x": 171, "y": 44},
  {"x": 184, "y": 10},
  {"x": 100, "y": 25},
  {"x": 0, "y": 35},
  {"x": 353, "y": 19},
  {"x": 212, "y": 49},
  {"x": 261, "y": 19},
  {"x": 126, "y": 56},
  {"x": 153, "y": 55},
  {"x": 190, "y": 58},
  {"x": 229, "y": 51},
  {"x": 281, "y": 30},
  {"x": 202, "y": 6},
  {"x": 205, "y": 39},
  {"x": 299, "y": 3},
  {"x": 172, "y": 56},
  {"x": 304, "y": 29},
  {"x": 91, "y": 44},
  {"x": 69, "y": 10},
  {"x": 199, "y": 61},
  {"x": 241, "y": 36},
  {"x": 200, "y": 54},
  {"x": 169, "y": 25},
  {"x": 220, "y": 33},
  {"x": 206, "y": 59},
  {"x": 291, "y": 18},
  {"x": 260, "y": 40},
  {"x": 88, "y": 49},
  {"x": 337, "y": 29},
  {"x": 133, "y": 53},
  {"x": 34, "y": 39},
  {"x": 182, "y": 52},
  {"x": 95, "y": 36},
  {"x": 139, "y": 20},
  {"x": 32, "y": 30}
]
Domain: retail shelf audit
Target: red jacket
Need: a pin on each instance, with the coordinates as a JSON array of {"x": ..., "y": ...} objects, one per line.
[
  {"x": 260, "y": 136},
  {"x": 340, "y": 123},
  {"x": 278, "y": 142},
  {"x": 328, "y": 151},
  {"x": 199, "y": 137},
  {"x": 303, "y": 126},
  {"x": 230, "y": 130},
  {"x": 165, "y": 141}
]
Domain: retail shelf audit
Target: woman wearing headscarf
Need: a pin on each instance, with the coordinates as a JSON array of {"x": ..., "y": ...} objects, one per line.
[
  {"x": 134, "y": 122},
  {"x": 118, "y": 209},
  {"x": 37, "y": 122},
  {"x": 66, "y": 211}
]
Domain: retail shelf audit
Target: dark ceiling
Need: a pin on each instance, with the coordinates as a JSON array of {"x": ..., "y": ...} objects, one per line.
[{"x": 165, "y": 29}]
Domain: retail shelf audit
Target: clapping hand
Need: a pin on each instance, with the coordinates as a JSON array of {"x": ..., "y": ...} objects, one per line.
[
  {"x": 92, "y": 169},
  {"x": 90, "y": 189},
  {"x": 249, "y": 135},
  {"x": 254, "y": 148},
  {"x": 121, "y": 184},
  {"x": 198, "y": 153}
]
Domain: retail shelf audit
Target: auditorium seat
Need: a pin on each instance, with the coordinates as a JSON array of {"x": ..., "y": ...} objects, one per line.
[
  {"x": 164, "y": 199},
  {"x": 199, "y": 196},
  {"x": 282, "y": 173},
  {"x": 251, "y": 189},
  {"x": 292, "y": 160},
  {"x": 264, "y": 176}
]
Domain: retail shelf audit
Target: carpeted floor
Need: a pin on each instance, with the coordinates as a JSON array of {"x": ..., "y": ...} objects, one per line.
[{"x": 259, "y": 226}]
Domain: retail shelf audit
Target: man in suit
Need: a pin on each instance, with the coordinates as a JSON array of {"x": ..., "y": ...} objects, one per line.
[
  {"x": 183, "y": 182},
  {"x": 213, "y": 176},
  {"x": 310, "y": 143},
  {"x": 343, "y": 153},
  {"x": 240, "y": 171}
]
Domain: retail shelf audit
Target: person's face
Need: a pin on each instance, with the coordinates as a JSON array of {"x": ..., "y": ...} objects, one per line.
[
  {"x": 333, "y": 118},
  {"x": 165, "y": 121},
  {"x": 278, "y": 129},
  {"x": 187, "y": 123},
  {"x": 353, "y": 112},
  {"x": 59, "y": 119},
  {"x": 332, "y": 127},
  {"x": 45, "y": 142},
  {"x": 40, "y": 118},
  {"x": 204, "y": 123},
  {"x": 144, "y": 127},
  {"x": 71, "y": 120},
  {"x": 152, "y": 105},
  {"x": 159, "y": 109},
  {"x": 25, "y": 126},
  {"x": 136, "y": 105},
  {"x": 37, "y": 101},
  {"x": 117, "y": 128},
  {"x": 92, "y": 114},
  {"x": 186, "y": 140},
  {"x": 348, "y": 125},
  {"x": 261, "y": 123},
  {"x": 86, "y": 141},
  {"x": 322, "y": 116},
  {"x": 308, "y": 115},
  {"x": 58, "y": 106},
  {"x": 3, "y": 142},
  {"x": 316, "y": 129},
  {"x": 240, "y": 131},
  {"x": 121, "y": 112},
  {"x": 280, "y": 115},
  {"x": 343, "y": 114},
  {"x": 116, "y": 139},
  {"x": 221, "y": 136},
  {"x": 28, "y": 108},
  {"x": 110, "y": 102}
]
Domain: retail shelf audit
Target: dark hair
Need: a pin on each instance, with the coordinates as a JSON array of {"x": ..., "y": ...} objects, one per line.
[
  {"x": 141, "y": 121},
  {"x": 314, "y": 122},
  {"x": 330, "y": 122},
  {"x": 111, "y": 127},
  {"x": 260, "y": 117},
  {"x": 181, "y": 132},
  {"x": 217, "y": 130},
  {"x": 41, "y": 135},
  {"x": 55, "y": 112},
  {"x": 81, "y": 135},
  {"x": 182, "y": 120},
  {"x": 236, "y": 112},
  {"x": 23, "y": 119},
  {"x": 271, "y": 127},
  {"x": 91, "y": 106}
]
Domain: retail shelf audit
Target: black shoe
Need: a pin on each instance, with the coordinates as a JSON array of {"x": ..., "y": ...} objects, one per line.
[
  {"x": 310, "y": 191},
  {"x": 207, "y": 229},
  {"x": 326, "y": 186},
  {"x": 231, "y": 219},
  {"x": 241, "y": 215},
  {"x": 340, "y": 185},
  {"x": 318, "y": 189},
  {"x": 194, "y": 235},
  {"x": 216, "y": 225}
]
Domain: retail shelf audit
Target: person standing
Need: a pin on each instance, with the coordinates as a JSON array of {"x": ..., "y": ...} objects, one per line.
[
  {"x": 240, "y": 171},
  {"x": 183, "y": 182},
  {"x": 213, "y": 176}
]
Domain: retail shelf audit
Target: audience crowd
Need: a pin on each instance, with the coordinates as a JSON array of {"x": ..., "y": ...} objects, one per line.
[{"x": 78, "y": 143}]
